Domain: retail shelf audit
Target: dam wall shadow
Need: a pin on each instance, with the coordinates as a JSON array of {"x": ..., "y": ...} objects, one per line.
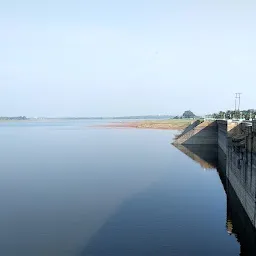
[{"x": 237, "y": 175}]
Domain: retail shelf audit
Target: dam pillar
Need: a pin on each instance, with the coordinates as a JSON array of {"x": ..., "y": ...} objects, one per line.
[
  {"x": 254, "y": 136},
  {"x": 222, "y": 134}
]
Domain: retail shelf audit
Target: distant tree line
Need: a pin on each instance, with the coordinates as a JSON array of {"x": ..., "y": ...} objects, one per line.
[
  {"x": 232, "y": 114},
  {"x": 13, "y": 118}
]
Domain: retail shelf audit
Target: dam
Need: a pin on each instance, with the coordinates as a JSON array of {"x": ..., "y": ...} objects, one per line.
[{"x": 231, "y": 148}]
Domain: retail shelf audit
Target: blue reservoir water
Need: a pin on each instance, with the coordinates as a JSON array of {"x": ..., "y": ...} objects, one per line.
[{"x": 67, "y": 188}]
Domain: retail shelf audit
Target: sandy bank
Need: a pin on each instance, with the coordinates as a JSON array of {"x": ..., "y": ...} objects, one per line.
[{"x": 172, "y": 124}]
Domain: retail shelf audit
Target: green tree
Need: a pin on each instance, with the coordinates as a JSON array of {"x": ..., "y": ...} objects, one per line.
[{"x": 188, "y": 114}]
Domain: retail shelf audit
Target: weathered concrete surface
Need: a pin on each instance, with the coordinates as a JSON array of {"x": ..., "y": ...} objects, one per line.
[
  {"x": 241, "y": 173},
  {"x": 222, "y": 134},
  {"x": 204, "y": 133},
  {"x": 254, "y": 136},
  {"x": 241, "y": 166},
  {"x": 225, "y": 130},
  {"x": 210, "y": 133},
  {"x": 189, "y": 128}
]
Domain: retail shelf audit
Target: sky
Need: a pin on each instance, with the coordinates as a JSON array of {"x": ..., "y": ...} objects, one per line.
[{"x": 116, "y": 58}]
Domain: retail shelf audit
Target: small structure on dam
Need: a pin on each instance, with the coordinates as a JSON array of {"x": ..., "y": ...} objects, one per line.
[{"x": 237, "y": 141}]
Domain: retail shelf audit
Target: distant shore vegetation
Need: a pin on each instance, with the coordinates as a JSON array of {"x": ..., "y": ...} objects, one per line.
[
  {"x": 234, "y": 114},
  {"x": 188, "y": 114},
  {"x": 13, "y": 118}
]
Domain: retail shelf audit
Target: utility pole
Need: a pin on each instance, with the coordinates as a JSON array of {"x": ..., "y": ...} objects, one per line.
[
  {"x": 237, "y": 105},
  {"x": 235, "y": 101},
  {"x": 238, "y": 95}
]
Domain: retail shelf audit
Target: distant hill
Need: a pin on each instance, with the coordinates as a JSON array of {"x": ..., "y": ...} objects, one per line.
[{"x": 188, "y": 114}]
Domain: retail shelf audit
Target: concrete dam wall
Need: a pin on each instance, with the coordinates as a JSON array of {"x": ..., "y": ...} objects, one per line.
[
  {"x": 237, "y": 141},
  {"x": 207, "y": 133},
  {"x": 241, "y": 173},
  {"x": 189, "y": 128},
  {"x": 204, "y": 133}
]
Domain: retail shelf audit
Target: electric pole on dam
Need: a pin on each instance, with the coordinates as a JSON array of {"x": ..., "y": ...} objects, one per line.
[{"x": 237, "y": 103}]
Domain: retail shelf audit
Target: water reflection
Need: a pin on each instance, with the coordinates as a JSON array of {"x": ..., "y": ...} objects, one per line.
[
  {"x": 110, "y": 192},
  {"x": 180, "y": 215},
  {"x": 236, "y": 168},
  {"x": 205, "y": 155}
]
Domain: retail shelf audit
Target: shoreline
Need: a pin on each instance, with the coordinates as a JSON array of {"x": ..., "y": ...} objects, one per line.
[
  {"x": 173, "y": 124},
  {"x": 161, "y": 124}
]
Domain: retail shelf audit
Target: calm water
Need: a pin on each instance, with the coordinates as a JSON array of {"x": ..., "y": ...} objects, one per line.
[{"x": 69, "y": 189}]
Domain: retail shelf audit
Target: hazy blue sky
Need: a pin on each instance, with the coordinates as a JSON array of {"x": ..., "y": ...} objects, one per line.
[{"x": 118, "y": 57}]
